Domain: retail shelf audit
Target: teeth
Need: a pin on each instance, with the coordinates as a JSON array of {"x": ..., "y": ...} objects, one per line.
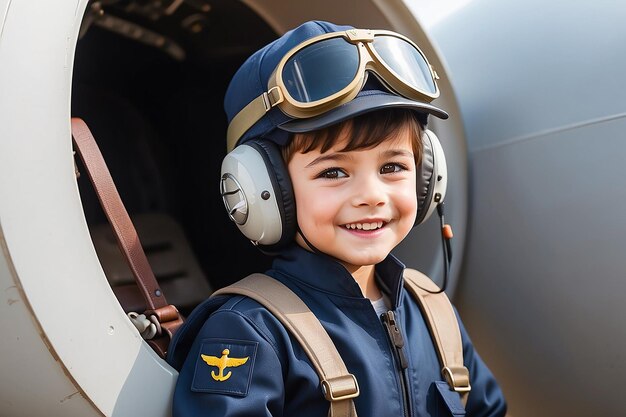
[{"x": 364, "y": 226}]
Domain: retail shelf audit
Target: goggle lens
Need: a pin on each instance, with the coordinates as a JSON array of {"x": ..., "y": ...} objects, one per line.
[
  {"x": 321, "y": 70},
  {"x": 406, "y": 61}
]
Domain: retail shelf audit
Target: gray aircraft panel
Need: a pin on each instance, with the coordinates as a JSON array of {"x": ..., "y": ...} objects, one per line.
[
  {"x": 542, "y": 288},
  {"x": 540, "y": 87},
  {"x": 525, "y": 67}
]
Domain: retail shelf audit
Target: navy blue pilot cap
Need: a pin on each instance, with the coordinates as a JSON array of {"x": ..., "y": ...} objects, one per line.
[{"x": 251, "y": 80}]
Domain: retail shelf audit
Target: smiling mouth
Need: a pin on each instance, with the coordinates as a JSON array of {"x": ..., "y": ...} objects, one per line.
[{"x": 364, "y": 226}]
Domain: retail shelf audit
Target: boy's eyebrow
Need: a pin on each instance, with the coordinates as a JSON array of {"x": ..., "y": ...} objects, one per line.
[
  {"x": 342, "y": 156},
  {"x": 398, "y": 152},
  {"x": 329, "y": 157}
]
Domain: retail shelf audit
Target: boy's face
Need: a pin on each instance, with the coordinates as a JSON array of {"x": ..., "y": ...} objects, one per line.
[{"x": 356, "y": 206}]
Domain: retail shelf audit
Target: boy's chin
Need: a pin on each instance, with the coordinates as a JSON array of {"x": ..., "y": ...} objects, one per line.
[
  {"x": 353, "y": 259},
  {"x": 360, "y": 260}
]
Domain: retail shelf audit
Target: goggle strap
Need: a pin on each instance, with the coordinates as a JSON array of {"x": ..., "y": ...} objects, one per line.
[
  {"x": 249, "y": 115},
  {"x": 244, "y": 120}
]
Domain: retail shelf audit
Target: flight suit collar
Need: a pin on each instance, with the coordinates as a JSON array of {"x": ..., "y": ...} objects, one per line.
[{"x": 326, "y": 274}]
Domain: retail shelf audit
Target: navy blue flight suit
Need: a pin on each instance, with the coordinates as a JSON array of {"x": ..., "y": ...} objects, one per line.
[{"x": 267, "y": 373}]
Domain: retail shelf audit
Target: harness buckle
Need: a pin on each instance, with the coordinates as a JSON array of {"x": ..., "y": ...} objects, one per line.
[
  {"x": 457, "y": 377},
  {"x": 340, "y": 388}
]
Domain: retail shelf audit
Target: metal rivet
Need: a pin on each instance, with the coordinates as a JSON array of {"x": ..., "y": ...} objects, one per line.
[
  {"x": 157, "y": 293},
  {"x": 437, "y": 197},
  {"x": 265, "y": 195}
]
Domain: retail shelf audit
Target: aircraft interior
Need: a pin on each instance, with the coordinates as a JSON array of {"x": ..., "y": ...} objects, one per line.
[{"x": 158, "y": 119}]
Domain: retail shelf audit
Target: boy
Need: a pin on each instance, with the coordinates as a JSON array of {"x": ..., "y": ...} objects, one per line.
[{"x": 334, "y": 118}]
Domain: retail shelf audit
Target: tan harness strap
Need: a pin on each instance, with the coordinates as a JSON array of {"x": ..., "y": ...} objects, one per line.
[
  {"x": 444, "y": 329},
  {"x": 338, "y": 385},
  {"x": 166, "y": 314}
]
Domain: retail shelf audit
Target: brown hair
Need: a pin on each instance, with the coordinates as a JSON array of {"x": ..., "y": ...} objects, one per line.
[{"x": 364, "y": 132}]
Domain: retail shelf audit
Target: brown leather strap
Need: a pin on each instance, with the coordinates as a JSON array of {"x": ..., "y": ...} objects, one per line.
[
  {"x": 125, "y": 233},
  {"x": 444, "y": 329},
  {"x": 338, "y": 385}
]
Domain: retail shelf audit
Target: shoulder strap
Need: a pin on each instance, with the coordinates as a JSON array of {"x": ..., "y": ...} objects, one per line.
[
  {"x": 444, "y": 329},
  {"x": 338, "y": 385}
]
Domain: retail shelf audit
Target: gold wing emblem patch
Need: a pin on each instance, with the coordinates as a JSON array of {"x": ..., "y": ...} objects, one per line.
[{"x": 223, "y": 362}]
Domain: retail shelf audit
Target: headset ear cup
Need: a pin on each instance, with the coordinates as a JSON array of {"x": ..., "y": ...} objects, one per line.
[
  {"x": 424, "y": 176},
  {"x": 258, "y": 195},
  {"x": 432, "y": 177},
  {"x": 283, "y": 189}
]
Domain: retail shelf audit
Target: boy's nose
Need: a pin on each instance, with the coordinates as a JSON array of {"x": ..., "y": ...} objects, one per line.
[{"x": 369, "y": 190}]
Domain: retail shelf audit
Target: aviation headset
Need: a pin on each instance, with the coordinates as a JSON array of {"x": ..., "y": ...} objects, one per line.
[
  {"x": 255, "y": 183},
  {"x": 258, "y": 194}
]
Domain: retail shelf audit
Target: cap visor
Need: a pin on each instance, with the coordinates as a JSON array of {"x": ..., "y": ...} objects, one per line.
[{"x": 360, "y": 105}]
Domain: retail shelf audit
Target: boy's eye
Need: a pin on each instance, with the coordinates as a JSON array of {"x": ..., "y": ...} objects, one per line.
[
  {"x": 392, "y": 167},
  {"x": 332, "y": 173}
]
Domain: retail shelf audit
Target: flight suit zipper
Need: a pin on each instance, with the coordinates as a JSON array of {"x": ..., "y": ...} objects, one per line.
[{"x": 397, "y": 342}]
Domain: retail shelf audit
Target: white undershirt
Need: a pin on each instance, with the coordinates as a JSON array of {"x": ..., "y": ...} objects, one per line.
[{"x": 380, "y": 306}]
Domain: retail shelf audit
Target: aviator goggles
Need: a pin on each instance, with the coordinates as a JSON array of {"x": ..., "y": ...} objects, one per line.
[{"x": 329, "y": 70}]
